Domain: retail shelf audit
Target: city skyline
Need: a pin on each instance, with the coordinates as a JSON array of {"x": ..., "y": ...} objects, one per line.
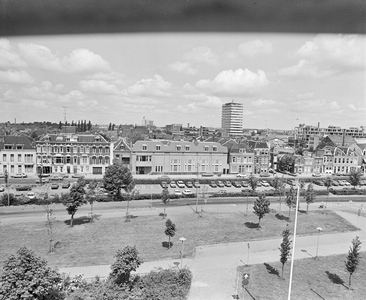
[{"x": 281, "y": 79}]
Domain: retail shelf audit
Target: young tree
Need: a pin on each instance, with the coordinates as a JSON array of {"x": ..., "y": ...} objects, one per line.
[
  {"x": 165, "y": 199},
  {"x": 291, "y": 199},
  {"x": 170, "y": 230},
  {"x": 90, "y": 196},
  {"x": 45, "y": 202},
  {"x": 75, "y": 199},
  {"x": 127, "y": 260},
  {"x": 278, "y": 184},
  {"x": 309, "y": 196},
  {"x": 253, "y": 182},
  {"x": 352, "y": 259},
  {"x": 27, "y": 276},
  {"x": 355, "y": 178},
  {"x": 327, "y": 184},
  {"x": 261, "y": 207},
  {"x": 117, "y": 176},
  {"x": 285, "y": 247}
]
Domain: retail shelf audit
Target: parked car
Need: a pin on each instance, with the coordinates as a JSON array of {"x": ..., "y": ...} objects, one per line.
[
  {"x": 220, "y": 184},
  {"x": 346, "y": 183},
  {"x": 177, "y": 193},
  {"x": 173, "y": 184},
  {"x": 316, "y": 175},
  {"x": 265, "y": 183},
  {"x": 45, "y": 175},
  {"x": 227, "y": 183},
  {"x": 65, "y": 185},
  {"x": 19, "y": 175},
  {"x": 77, "y": 175},
  {"x": 241, "y": 175},
  {"x": 221, "y": 192},
  {"x": 213, "y": 184},
  {"x": 187, "y": 192},
  {"x": 54, "y": 186},
  {"x": 31, "y": 195},
  {"x": 335, "y": 183},
  {"x": 181, "y": 184},
  {"x": 237, "y": 184},
  {"x": 2, "y": 175},
  {"x": 189, "y": 184},
  {"x": 272, "y": 171},
  {"x": 2, "y": 189},
  {"x": 23, "y": 188},
  {"x": 55, "y": 178},
  {"x": 43, "y": 180},
  {"x": 264, "y": 175},
  {"x": 207, "y": 174},
  {"x": 196, "y": 184},
  {"x": 244, "y": 184},
  {"x": 259, "y": 183},
  {"x": 319, "y": 182}
]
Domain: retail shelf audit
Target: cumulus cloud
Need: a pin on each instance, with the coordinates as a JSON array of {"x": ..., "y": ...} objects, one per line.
[
  {"x": 255, "y": 47},
  {"x": 8, "y": 57},
  {"x": 263, "y": 103},
  {"x": 15, "y": 77},
  {"x": 72, "y": 96},
  {"x": 315, "y": 106},
  {"x": 79, "y": 60},
  {"x": 151, "y": 87},
  {"x": 98, "y": 87},
  {"x": 343, "y": 52},
  {"x": 305, "y": 96},
  {"x": 183, "y": 67},
  {"x": 202, "y": 55},
  {"x": 305, "y": 68},
  {"x": 237, "y": 82},
  {"x": 351, "y": 106}
]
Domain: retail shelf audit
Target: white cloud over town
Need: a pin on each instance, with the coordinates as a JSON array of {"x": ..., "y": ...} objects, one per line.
[{"x": 255, "y": 47}]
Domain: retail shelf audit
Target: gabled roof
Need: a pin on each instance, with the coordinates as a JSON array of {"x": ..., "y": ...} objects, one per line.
[
  {"x": 258, "y": 144},
  {"x": 235, "y": 148},
  {"x": 26, "y": 141},
  {"x": 121, "y": 145},
  {"x": 80, "y": 138}
]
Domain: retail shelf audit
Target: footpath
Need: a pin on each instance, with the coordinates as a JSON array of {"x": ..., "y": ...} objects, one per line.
[{"x": 214, "y": 267}]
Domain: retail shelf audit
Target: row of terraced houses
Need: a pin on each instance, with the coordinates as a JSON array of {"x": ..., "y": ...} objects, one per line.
[{"x": 91, "y": 154}]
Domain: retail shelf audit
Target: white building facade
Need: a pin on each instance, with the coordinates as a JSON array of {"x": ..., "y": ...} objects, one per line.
[{"x": 232, "y": 118}]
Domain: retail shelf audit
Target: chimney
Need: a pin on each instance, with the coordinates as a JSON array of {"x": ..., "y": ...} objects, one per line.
[{"x": 343, "y": 136}]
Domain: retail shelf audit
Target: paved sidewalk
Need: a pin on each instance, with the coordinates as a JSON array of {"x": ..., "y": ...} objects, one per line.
[{"x": 214, "y": 267}]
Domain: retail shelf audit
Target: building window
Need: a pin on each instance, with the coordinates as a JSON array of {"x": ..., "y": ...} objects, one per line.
[
  {"x": 4, "y": 158},
  {"x": 179, "y": 148},
  {"x": 82, "y": 149},
  {"x": 19, "y": 157},
  {"x": 87, "y": 149},
  {"x": 11, "y": 157},
  {"x": 144, "y": 147},
  {"x": 233, "y": 159},
  {"x": 75, "y": 149},
  {"x": 85, "y": 160},
  {"x": 8, "y": 147},
  {"x": 207, "y": 148},
  {"x": 157, "y": 147},
  {"x": 187, "y": 148},
  {"x": 106, "y": 160},
  {"x": 214, "y": 148},
  {"x": 19, "y": 147}
]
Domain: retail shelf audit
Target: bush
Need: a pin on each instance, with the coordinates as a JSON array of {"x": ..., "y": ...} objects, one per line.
[{"x": 12, "y": 200}]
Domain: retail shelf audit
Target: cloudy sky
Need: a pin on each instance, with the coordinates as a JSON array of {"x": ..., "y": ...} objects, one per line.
[{"x": 282, "y": 79}]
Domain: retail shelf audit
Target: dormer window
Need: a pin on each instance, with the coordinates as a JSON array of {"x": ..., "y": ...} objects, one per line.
[
  {"x": 8, "y": 147},
  {"x": 207, "y": 148},
  {"x": 214, "y": 148},
  {"x": 187, "y": 148},
  {"x": 157, "y": 148},
  {"x": 179, "y": 148},
  {"x": 144, "y": 147}
]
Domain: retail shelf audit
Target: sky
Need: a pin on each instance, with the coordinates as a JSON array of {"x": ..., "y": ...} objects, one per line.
[{"x": 184, "y": 78}]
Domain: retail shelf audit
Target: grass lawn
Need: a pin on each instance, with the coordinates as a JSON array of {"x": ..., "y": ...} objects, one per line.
[
  {"x": 320, "y": 278},
  {"x": 95, "y": 243}
]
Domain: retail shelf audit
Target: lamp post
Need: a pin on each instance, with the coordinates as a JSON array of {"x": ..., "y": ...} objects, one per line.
[
  {"x": 317, "y": 243},
  {"x": 197, "y": 190},
  {"x": 182, "y": 239},
  {"x": 6, "y": 178}
]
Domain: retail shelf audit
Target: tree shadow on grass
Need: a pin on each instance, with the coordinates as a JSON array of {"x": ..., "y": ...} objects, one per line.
[
  {"x": 78, "y": 221},
  {"x": 303, "y": 211},
  {"x": 335, "y": 278},
  {"x": 252, "y": 225},
  {"x": 272, "y": 270},
  {"x": 282, "y": 217},
  {"x": 167, "y": 245}
]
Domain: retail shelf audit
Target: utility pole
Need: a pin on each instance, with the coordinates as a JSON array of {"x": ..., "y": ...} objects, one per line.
[{"x": 65, "y": 107}]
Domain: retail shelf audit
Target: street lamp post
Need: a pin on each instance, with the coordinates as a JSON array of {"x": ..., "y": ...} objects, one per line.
[
  {"x": 317, "y": 243},
  {"x": 197, "y": 190},
  {"x": 182, "y": 239}
]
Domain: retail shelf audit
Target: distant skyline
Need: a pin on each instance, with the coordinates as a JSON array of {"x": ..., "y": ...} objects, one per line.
[{"x": 281, "y": 79}]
